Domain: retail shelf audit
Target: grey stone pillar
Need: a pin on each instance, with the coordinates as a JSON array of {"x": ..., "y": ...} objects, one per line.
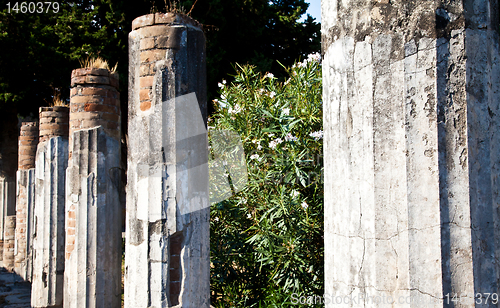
[
  {"x": 412, "y": 159},
  {"x": 167, "y": 224},
  {"x": 50, "y": 204},
  {"x": 25, "y": 198},
  {"x": 93, "y": 222},
  {"x": 25, "y": 204}
]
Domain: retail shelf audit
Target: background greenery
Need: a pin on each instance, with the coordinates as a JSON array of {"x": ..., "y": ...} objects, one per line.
[
  {"x": 38, "y": 51},
  {"x": 267, "y": 240}
]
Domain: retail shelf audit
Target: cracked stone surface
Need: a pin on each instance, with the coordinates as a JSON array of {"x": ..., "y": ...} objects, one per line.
[
  {"x": 92, "y": 273},
  {"x": 48, "y": 229},
  {"x": 411, "y": 104}
]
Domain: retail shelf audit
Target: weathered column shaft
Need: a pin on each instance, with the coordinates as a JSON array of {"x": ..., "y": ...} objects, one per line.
[
  {"x": 48, "y": 225},
  {"x": 93, "y": 218},
  {"x": 412, "y": 160},
  {"x": 25, "y": 201},
  {"x": 167, "y": 224},
  {"x": 9, "y": 242}
]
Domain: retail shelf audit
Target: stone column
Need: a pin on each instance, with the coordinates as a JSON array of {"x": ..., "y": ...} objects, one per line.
[
  {"x": 25, "y": 201},
  {"x": 412, "y": 158},
  {"x": 9, "y": 242},
  {"x": 48, "y": 224},
  {"x": 93, "y": 218},
  {"x": 7, "y": 206},
  {"x": 167, "y": 224}
]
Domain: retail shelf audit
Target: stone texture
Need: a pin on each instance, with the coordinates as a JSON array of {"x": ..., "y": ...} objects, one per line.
[
  {"x": 93, "y": 222},
  {"x": 25, "y": 206},
  {"x": 411, "y": 105},
  {"x": 94, "y": 101},
  {"x": 54, "y": 121},
  {"x": 28, "y": 140},
  {"x": 49, "y": 235},
  {"x": 9, "y": 242},
  {"x": 167, "y": 222}
]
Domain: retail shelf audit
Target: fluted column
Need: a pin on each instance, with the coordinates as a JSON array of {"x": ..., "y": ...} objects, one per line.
[
  {"x": 93, "y": 218},
  {"x": 167, "y": 224},
  {"x": 25, "y": 201},
  {"x": 50, "y": 205}
]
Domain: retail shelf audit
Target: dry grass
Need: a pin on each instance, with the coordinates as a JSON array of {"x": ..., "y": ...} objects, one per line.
[
  {"x": 56, "y": 100},
  {"x": 174, "y": 7},
  {"x": 97, "y": 62}
]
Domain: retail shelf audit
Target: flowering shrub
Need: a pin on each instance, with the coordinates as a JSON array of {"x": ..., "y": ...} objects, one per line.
[{"x": 267, "y": 240}]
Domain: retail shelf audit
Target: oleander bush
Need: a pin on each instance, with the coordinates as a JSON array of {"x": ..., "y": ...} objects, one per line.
[{"x": 267, "y": 239}]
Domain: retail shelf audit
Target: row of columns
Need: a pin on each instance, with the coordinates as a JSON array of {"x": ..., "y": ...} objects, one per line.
[
  {"x": 411, "y": 105},
  {"x": 64, "y": 234}
]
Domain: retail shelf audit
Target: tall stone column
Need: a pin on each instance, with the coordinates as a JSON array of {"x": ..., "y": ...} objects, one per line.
[
  {"x": 167, "y": 224},
  {"x": 25, "y": 201},
  {"x": 93, "y": 219},
  {"x": 411, "y": 116},
  {"x": 48, "y": 224}
]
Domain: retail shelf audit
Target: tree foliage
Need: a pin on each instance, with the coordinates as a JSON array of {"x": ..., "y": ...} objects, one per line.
[
  {"x": 38, "y": 51},
  {"x": 267, "y": 240}
]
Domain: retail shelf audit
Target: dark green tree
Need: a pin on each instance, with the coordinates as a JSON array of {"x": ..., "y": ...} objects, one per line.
[{"x": 38, "y": 51}]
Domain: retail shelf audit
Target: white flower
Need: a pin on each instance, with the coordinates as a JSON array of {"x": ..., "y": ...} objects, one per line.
[
  {"x": 271, "y": 134},
  {"x": 314, "y": 57},
  {"x": 216, "y": 218},
  {"x": 272, "y": 94},
  {"x": 224, "y": 81},
  {"x": 249, "y": 215},
  {"x": 259, "y": 147},
  {"x": 290, "y": 137},
  {"x": 295, "y": 194},
  {"x": 254, "y": 156},
  {"x": 236, "y": 109},
  {"x": 304, "y": 205},
  {"x": 261, "y": 91},
  {"x": 220, "y": 85},
  {"x": 223, "y": 105},
  {"x": 317, "y": 135},
  {"x": 270, "y": 75},
  {"x": 287, "y": 81},
  {"x": 275, "y": 142},
  {"x": 286, "y": 111}
]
